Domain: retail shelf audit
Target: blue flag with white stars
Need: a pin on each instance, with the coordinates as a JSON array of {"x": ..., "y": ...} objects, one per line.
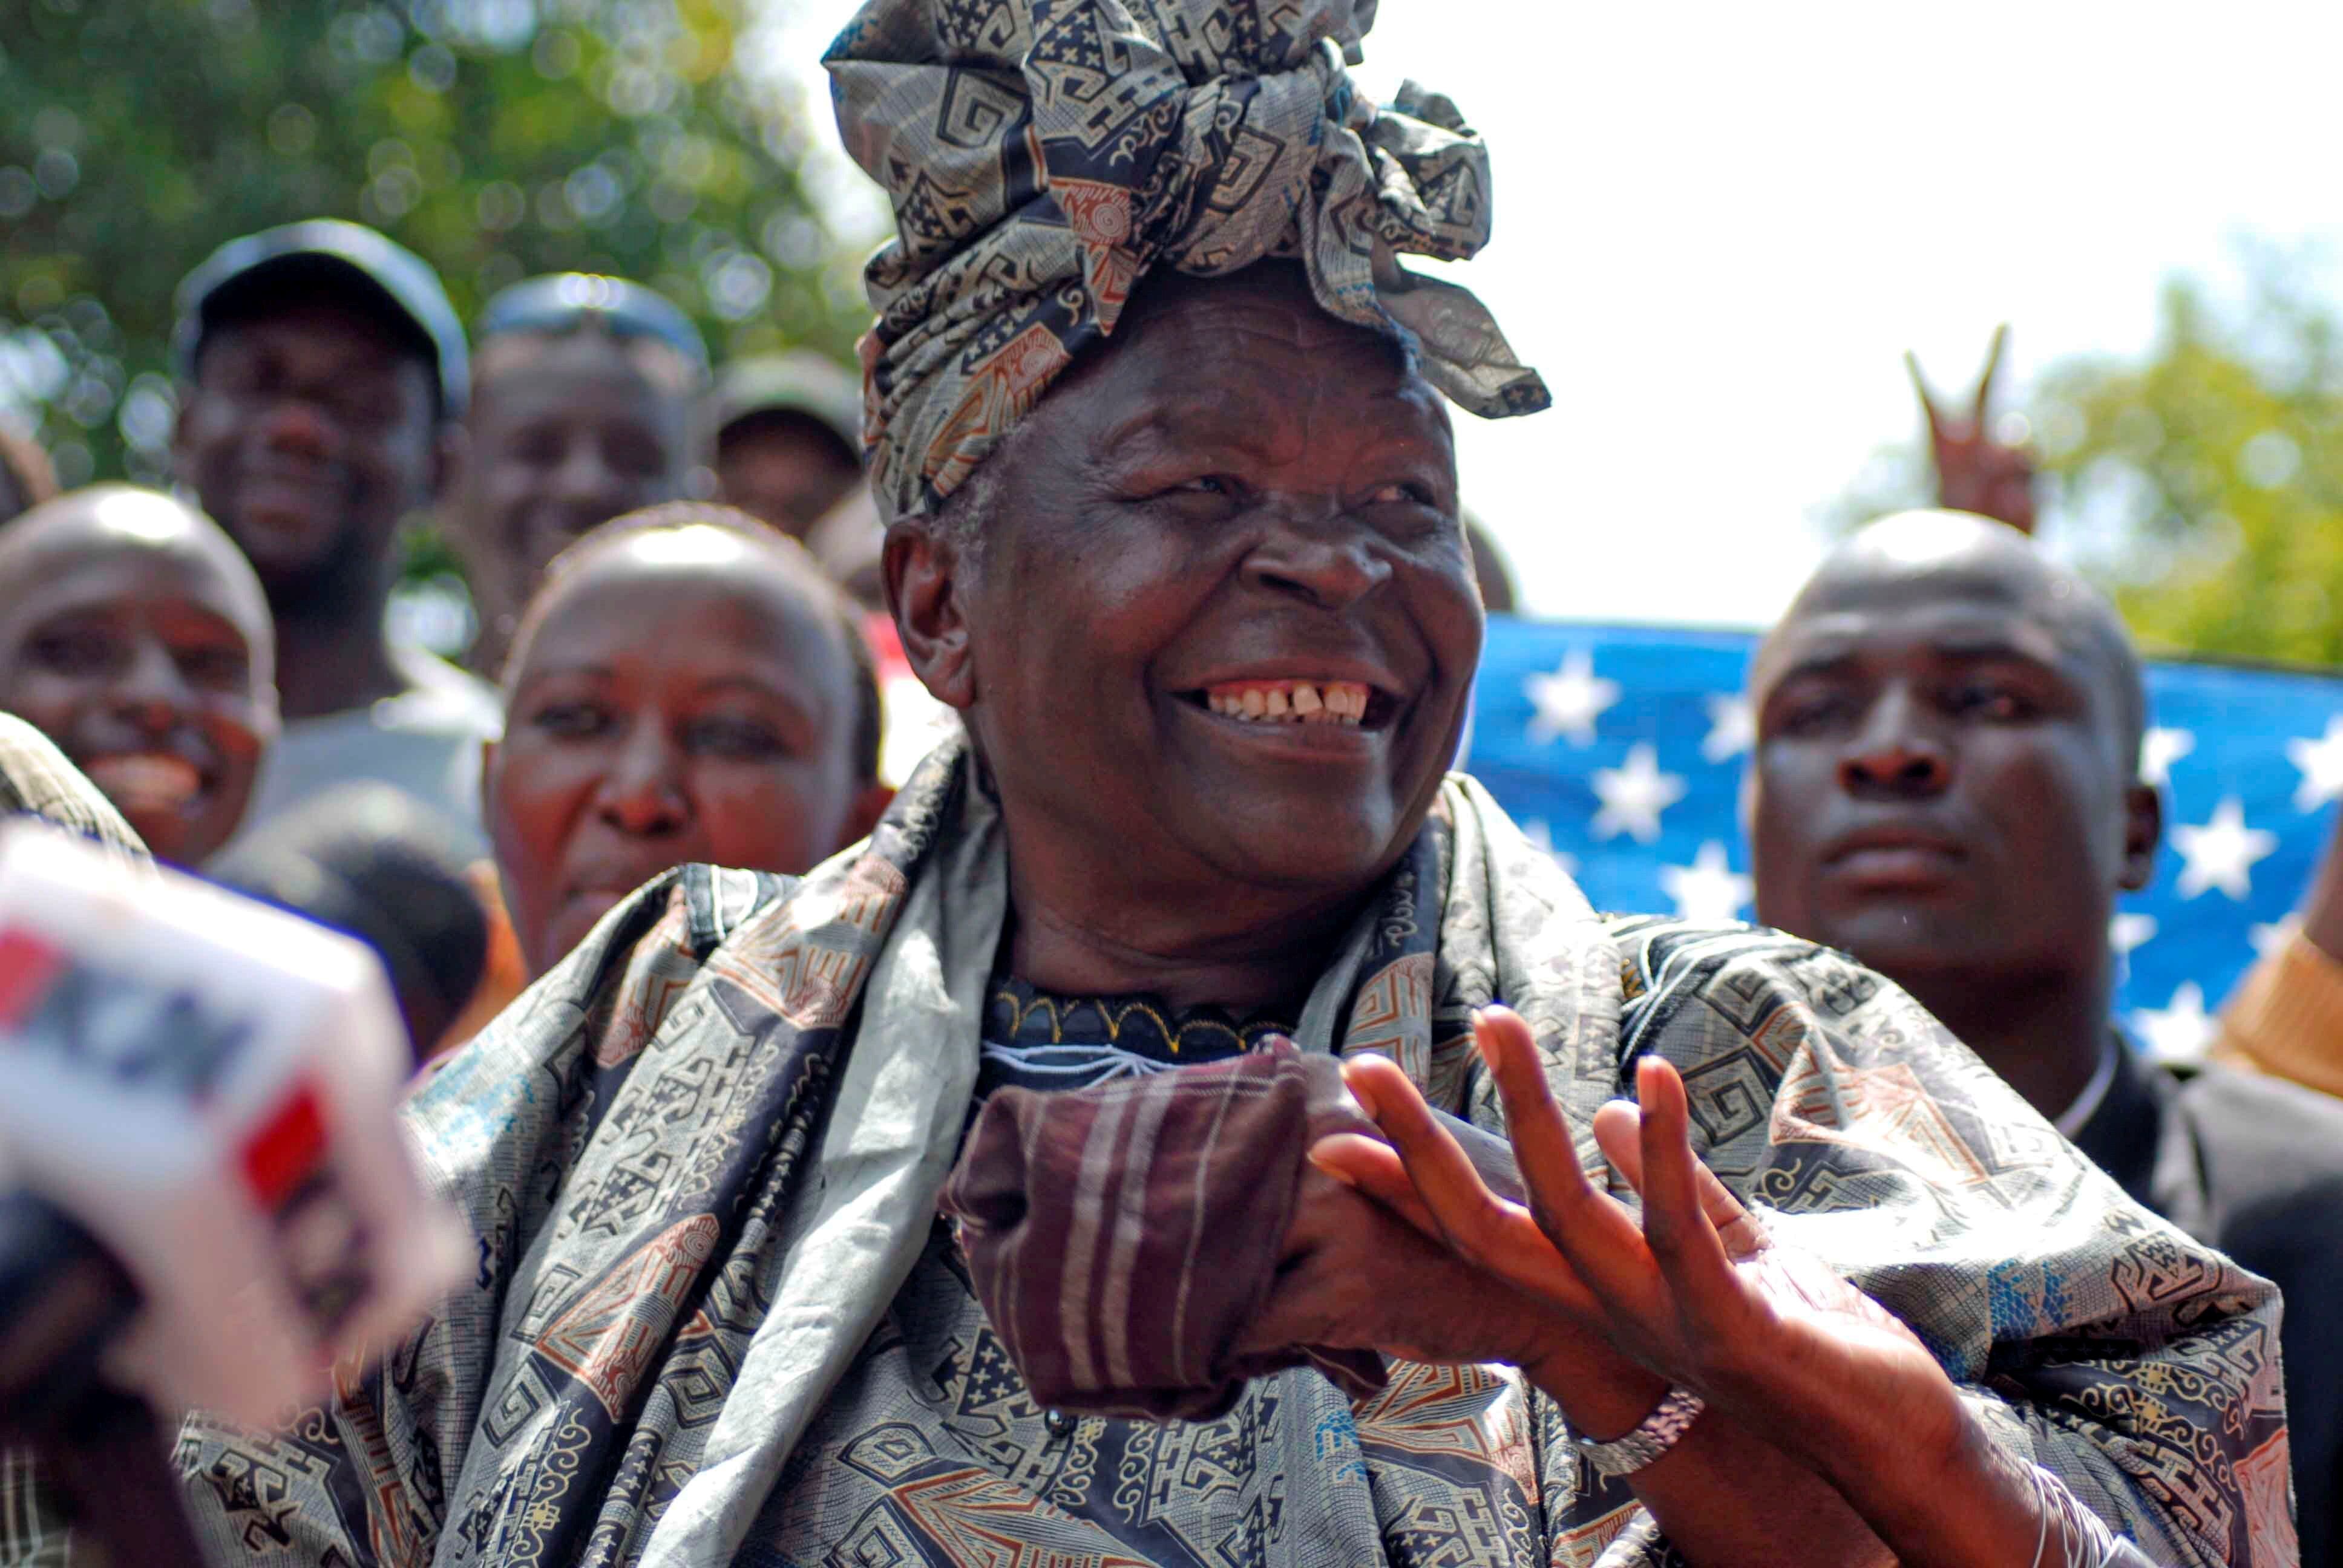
[{"x": 1623, "y": 748}]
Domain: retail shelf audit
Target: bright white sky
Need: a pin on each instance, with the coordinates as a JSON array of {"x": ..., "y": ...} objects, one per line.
[{"x": 1719, "y": 227}]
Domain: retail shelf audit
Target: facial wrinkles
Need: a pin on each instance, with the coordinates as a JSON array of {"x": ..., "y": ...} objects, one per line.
[
  {"x": 1304, "y": 451},
  {"x": 1097, "y": 482},
  {"x": 1248, "y": 350},
  {"x": 1167, "y": 440},
  {"x": 1212, "y": 553}
]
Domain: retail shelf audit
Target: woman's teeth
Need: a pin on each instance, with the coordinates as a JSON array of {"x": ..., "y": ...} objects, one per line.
[
  {"x": 145, "y": 782},
  {"x": 1291, "y": 701}
]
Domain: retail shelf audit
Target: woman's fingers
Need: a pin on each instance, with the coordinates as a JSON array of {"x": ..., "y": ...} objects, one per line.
[
  {"x": 1475, "y": 1223},
  {"x": 1436, "y": 1168},
  {"x": 1541, "y": 1141},
  {"x": 1595, "y": 1235},
  {"x": 1619, "y": 1128},
  {"x": 1660, "y": 1287},
  {"x": 1676, "y": 1227},
  {"x": 1375, "y": 1169}
]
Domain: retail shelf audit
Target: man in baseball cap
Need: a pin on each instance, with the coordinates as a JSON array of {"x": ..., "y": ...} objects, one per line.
[
  {"x": 322, "y": 372},
  {"x": 789, "y": 449},
  {"x": 788, "y": 438}
]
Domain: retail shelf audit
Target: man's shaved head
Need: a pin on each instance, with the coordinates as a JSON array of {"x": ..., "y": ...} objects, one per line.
[
  {"x": 1947, "y": 781},
  {"x": 123, "y": 519},
  {"x": 1926, "y": 556}
]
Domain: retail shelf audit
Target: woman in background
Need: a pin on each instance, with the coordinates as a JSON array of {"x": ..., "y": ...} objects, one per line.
[{"x": 686, "y": 686}]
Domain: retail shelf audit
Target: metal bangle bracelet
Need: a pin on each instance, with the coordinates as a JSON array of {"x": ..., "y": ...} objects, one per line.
[{"x": 1656, "y": 1435}]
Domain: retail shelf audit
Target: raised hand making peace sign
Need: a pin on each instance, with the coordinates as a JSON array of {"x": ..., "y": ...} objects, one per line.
[{"x": 1976, "y": 472}]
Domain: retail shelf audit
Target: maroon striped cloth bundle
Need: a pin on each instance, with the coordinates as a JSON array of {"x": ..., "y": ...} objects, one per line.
[{"x": 1122, "y": 1236}]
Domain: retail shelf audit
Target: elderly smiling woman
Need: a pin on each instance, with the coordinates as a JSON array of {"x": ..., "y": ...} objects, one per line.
[{"x": 1160, "y": 425}]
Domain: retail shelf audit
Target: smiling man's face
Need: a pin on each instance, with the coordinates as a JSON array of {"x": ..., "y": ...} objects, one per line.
[
  {"x": 132, "y": 636},
  {"x": 308, "y": 435},
  {"x": 1221, "y": 624}
]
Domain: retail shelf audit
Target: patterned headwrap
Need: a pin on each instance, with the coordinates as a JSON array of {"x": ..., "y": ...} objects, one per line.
[{"x": 1041, "y": 155}]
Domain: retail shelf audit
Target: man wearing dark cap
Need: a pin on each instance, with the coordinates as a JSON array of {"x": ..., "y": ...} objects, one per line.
[
  {"x": 788, "y": 438},
  {"x": 789, "y": 449},
  {"x": 323, "y": 369},
  {"x": 1946, "y": 787}
]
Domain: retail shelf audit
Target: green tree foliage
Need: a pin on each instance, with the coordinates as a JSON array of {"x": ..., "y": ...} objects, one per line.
[
  {"x": 498, "y": 138},
  {"x": 2201, "y": 484},
  {"x": 2205, "y": 484}
]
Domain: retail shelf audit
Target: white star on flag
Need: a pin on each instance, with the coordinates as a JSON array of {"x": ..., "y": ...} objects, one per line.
[
  {"x": 2321, "y": 761},
  {"x": 2180, "y": 1032},
  {"x": 1633, "y": 795},
  {"x": 1536, "y": 832},
  {"x": 1569, "y": 700},
  {"x": 2268, "y": 936},
  {"x": 1732, "y": 727},
  {"x": 2160, "y": 750},
  {"x": 2221, "y": 853},
  {"x": 2127, "y": 931},
  {"x": 1709, "y": 890}
]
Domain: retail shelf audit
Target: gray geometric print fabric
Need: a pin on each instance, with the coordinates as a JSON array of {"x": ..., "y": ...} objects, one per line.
[
  {"x": 702, "y": 1158},
  {"x": 1043, "y": 155}
]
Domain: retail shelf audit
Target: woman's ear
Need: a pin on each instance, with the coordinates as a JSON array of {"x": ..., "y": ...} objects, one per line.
[{"x": 927, "y": 583}]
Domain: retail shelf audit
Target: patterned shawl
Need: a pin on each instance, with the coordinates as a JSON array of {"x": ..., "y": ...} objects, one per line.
[
  {"x": 1041, "y": 155},
  {"x": 36, "y": 780},
  {"x": 702, "y": 1156}
]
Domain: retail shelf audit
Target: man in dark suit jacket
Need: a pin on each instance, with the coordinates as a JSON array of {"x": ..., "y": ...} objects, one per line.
[{"x": 1947, "y": 786}]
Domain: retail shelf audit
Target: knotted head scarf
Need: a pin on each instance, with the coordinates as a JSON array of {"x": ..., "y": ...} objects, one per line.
[{"x": 1042, "y": 155}]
